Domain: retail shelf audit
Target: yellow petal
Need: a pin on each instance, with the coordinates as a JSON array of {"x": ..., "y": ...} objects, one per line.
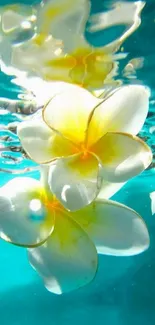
[
  {"x": 114, "y": 228},
  {"x": 122, "y": 155},
  {"x": 68, "y": 260},
  {"x": 24, "y": 219},
  {"x": 41, "y": 143},
  {"x": 75, "y": 180},
  {"x": 124, "y": 110},
  {"x": 69, "y": 112}
]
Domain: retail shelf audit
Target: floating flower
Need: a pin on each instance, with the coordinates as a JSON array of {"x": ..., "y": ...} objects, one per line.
[
  {"x": 63, "y": 245},
  {"x": 88, "y": 141},
  {"x": 49, "y": 56},
  {"x": 48, "y": 40}
]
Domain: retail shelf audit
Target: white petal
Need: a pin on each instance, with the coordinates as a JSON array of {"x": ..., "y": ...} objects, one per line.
[
  {"x": 65, "y": 22},
  {"x": 125, "y": 110},
  {"x": 114, "y": 228},
  {"x": 125, "y": 14},
  {"x": 122, "y": 155},
  {"x": 69, "y": 112},
  {"x": 41, "y": 143},
  {"x": 24, "y": 220},
  {"x": 11, "y": 20},
  {"x": 74, "y": 181},
  {"x": 68, "y": 260},
  {"x": 109, "y": 189},
  {"x": 41, "y": 89},
  {"x": 36, "y": 138}
]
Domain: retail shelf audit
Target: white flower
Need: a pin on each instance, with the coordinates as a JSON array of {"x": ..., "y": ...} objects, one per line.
[
  {"x": 89, "y": 143},
  {"x": 63, "y": 245}
]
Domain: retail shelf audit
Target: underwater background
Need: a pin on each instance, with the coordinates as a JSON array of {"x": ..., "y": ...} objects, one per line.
[{"x": 123, "y": 292}]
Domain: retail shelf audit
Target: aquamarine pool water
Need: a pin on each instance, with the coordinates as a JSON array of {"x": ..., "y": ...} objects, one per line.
[{"x": 123, "y": 292}]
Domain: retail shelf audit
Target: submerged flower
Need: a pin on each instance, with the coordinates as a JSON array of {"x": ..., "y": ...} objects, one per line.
[
  {"x": 88, "y": 142},
  {"x": 63, "y": 245}
]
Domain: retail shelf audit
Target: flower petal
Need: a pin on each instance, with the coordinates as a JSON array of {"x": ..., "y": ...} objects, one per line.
[
  {"x": 41, "y": 89},
  {"x": 24, "y": 220},
  {"x": 124, "y": 110},
  {"x": 152, "y": 197},
  {"x": 122, "y": 156},
  {"x": 41, "y": 143},
  {"x": 108, "y": 189},
  {"x": 125, "y": 15},
  {"x": 69, "y": 112},
  {"x": 75, "y": 181},
  {"x": 114, "y": 228},
  {"x": 64, "y": 22},
  {"x": 68, "y": 260}
]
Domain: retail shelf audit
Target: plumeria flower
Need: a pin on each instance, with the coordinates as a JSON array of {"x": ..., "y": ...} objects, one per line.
[
  {"x": 88, "y": 142},
  {"x": 62, "y": 245},
  {"x": 48, "y": 40}
]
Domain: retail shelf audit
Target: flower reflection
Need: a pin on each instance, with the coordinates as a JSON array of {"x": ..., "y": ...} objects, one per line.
[
  {"x": 48, "y": 40},
  {"x": 62, "y": 245}
]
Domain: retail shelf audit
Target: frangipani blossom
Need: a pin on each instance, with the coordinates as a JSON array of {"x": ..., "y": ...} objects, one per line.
[
  {"x": 88, "y": 142},
  {"x": 48, "y": 40},
  {"x": 63, "y": 245},
  {"x": 56, "y": 48}
]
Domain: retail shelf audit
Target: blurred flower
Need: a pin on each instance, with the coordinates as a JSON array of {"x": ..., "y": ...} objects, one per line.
[
  {"x": 63, "y": 245},
  {"x": 89, "y": 143},
  {"x": 48, "y": 40}
]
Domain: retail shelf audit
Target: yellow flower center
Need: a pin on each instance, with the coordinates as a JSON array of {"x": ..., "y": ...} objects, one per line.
[
  {"x": 85, "y": 152},
  {"x": 83, "y": 66},
  {"x": 52, "y": 205},
  {"x": 41, "y": 204}
]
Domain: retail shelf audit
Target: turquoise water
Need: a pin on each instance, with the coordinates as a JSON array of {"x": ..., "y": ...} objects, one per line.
[{"x": 123, "y": 292}]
